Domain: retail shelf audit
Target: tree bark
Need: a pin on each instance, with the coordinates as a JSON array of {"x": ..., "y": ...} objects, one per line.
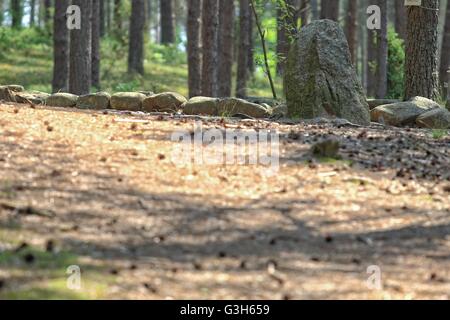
[
  {"x": 421, "y": 66},
  {"x": 32, "y": 12},
  {"x": 167, "y": 22},
  {"x": 96, "y": 43},
  {"x": 194, "y": 47},
  {"x": 330, "y": 10},
  {"x": 60, "y": 48},
  {"x": 382, "y": 52},
  {"x": 371, "y": 62},
  {"x": 351, "y": 29},
  {"x": 136, "y": 45},
  {"x": 242, "y": 69},
  {"x": 226, "y": 41},
  {"x": 210, "y": 35},
  {"x": 286, "y": 26},
  {"x": 400, "y": 18},
  {"x": 80, "y": 51},
  {"x": 445, "y": 52},
  {"x": 16, "y": 13}
]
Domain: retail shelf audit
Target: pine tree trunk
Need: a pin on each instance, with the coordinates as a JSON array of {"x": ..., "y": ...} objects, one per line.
[
  {"x": 194, "y": 47},
  {"x": 96, "y": 44},
  {"x": 371, "y": 62},
  {"x": 242, "y": 70},
  {"x": 32, "y": 12},
  {"x": 1, "y": 13},
  {"x": 351, "y": 28},
  {"x": 102, "y": 18},
  {"x": 382, "y": 52},
  {"x": 80, "y": 51},
  {"x": 117, "y": 17},
  {"x": 251, "y": 46},
  {"x": 445, "y": 52},
  {"x": 330, "y": 10},
  {"x": 47, "y": 12},
  {"x": 400, "y": 18},
  {"x": 226, "y": 41},
  {"x": 136, "y": 45},
  {"x": 167, "y": 22},
  {"x": 421, "y": 66},
  {"x": 286, "y": 25},
  {"x": 16, "y": 13},
  {"x": 210, "y": 36},
  {"x": 60, "y": 48}
]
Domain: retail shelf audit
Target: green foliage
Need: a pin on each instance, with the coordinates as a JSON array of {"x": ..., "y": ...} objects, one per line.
[
  {"x": 396, "y": 63},
  {"x": 12, "y": 39},
  {"x": 439, "y": 133}
]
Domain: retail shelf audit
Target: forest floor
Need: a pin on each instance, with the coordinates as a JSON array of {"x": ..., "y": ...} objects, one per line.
[{"x": 100, "y": 190}]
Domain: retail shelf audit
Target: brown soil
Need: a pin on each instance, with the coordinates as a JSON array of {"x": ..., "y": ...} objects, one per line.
[{"x": 103, "y": 186}]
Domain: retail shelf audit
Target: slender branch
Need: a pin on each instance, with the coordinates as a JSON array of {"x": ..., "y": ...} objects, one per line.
[{"x": 263, "y": 42}]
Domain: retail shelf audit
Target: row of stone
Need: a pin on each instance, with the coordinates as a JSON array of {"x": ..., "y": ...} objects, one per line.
[
  {"x": 418, "y": 111},
  {"x": 141, "y": 101}
]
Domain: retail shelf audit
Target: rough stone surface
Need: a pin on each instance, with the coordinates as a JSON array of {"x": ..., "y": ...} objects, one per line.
[
  {"x": 320, "y": 80},
  {"x": 6, "y": 94},
  {"x": 131, "y": 101},
  {"x": 373, "y": 103},
  {"x": 35, "y": 97},
  {"x": 98, "y": 101},
  {"x": 15, "y": 88},
  {"x": 402, "y": 113},
  {"x": 201, "y": 106},
  {"x": 65, "y": 100},
  {"x": 435, "y": 119},
  {"x": 163, "y": 102},
  {"x": 235, "y": 106}
]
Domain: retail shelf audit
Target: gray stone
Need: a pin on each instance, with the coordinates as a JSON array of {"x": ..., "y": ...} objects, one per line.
[
  {"x": 201, "y": 106},
  {"x": 131, "y": 101},
  {"x": 163, "y": 102},
  {"x": 326, "y": 149},
  {"x": 34, "y": 97},
  {"x": 229, "y": 107},
  {"x": 98, "y": 101},
  {"x": 320, "y": 80},
  {"x": 6, "y": 94},
  {"x": 435, "y": 119},
  {"x": 65, "y": 100},
  {"x": 402, "y": 113},
  {"x": 16, "y": 88},
  {"x": 373, "y": 103}
]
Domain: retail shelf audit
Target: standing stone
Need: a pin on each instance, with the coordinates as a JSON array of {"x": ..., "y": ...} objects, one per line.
[{"x": 320, "y": 80}]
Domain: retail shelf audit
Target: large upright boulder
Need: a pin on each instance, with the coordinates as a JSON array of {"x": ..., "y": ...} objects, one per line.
[{"x": 320, "y": 80}]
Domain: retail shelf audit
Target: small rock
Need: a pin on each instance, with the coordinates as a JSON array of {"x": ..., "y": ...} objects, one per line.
[
  {"x": 402, "y": 113},
  {"x": 64, "y": 100},
  {"x": 130, "y": 101},
  {"x": 163, "y": 102},
  {"x": 16, "y": 88},
  {"x": 201, "y": 106},
  {"x": 373, "y": 103},
  {"x": 438, "y": 118},
  {"x": 229, "y": 107},
  {"x": 97, "y": 101}
]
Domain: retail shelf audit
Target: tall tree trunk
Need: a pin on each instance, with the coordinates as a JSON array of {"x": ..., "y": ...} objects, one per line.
[
  {"x": 16, "y": 9},
  {"x": 60, "y": 47},
  {"x": 251, "y": 46},
  {"x": 304, "y": 12},
  {"x": 102, "y": 18},
  {"x": 371, "y": 62},
  {"x": 167, "y": 22},
  {"x": 351, "y": 29},
  {"x": 136, "y": 46},
  {"x": 1, "y": 12},
  {"x": 194, "y": 47},
  {"x": 47, "y": 12},
  {"x": 96, "y": 43},
  {"x": 226, "y": 41},
  {"x": 445, "y": 52},
  {"x": 80, "y": 51},
  {"x": 314, "y": 9},
  {"x": 210, "y": 36},
  {"x": 400, "y": 18},
  {"x": 117, "y": 17},
  {"x": 421, "y": 66},
  {"x": 286, "y": 26},
  {"x": 32, "y": 12},
  {"x": 330, "y": 10},
  {"x": 242, "y": 69},
  {"x": 382, "y": 52}
]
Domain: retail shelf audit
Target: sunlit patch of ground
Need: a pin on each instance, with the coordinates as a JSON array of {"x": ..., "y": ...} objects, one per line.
[{"x": 105, "y": 189}]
